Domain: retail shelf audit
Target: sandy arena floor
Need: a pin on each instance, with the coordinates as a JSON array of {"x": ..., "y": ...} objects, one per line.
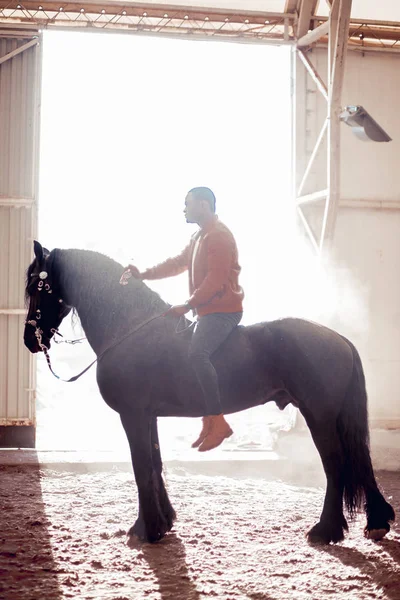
[{"x": 63, "y": 536}]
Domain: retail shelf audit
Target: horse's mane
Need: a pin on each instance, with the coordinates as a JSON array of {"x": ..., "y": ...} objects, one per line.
[{"x": 93, "y": 277}]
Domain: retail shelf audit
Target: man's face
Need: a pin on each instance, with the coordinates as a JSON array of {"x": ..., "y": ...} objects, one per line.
[{"x": 193, "y": 209}]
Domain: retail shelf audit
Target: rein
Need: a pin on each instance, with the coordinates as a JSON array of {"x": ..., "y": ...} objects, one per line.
[
  {"x": 71, "y": 342},
  {"x": 45, "y": 350}
]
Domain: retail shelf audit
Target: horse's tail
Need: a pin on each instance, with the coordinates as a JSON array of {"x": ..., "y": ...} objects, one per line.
[{"x": 354, "y": 435}]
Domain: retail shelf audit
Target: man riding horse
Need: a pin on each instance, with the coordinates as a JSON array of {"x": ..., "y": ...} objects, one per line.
[{"x": 211, "y": 258}]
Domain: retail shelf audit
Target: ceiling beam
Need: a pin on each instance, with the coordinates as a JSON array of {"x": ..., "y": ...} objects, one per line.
[
  {"x": 18, "y": 16},
  {"x": 291, "y": 6},
  {"x": 148, "y": 18},
  {"x": 307, "y": 10},
  {"x": 142, "y": 9},
  {"x": 314, "y": 35}
]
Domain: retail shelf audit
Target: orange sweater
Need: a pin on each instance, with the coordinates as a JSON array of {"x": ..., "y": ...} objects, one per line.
[{"x": 211, "y": 257}]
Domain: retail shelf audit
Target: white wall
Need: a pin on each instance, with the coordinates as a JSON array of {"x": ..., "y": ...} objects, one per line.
[
  {"x": 368, "y": 244},
  {"x": 371, "y": 171},
  {"x": 367, "y": 241}
]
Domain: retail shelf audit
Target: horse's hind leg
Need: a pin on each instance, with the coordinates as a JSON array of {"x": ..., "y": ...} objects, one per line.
[
  {"x": 379, "y": 512},
  {"x": 332, "y": 523},
  {"x": 165, "y": 503},
  {"x": 151, "y": 524},
  {"x": 360, "y": 481}
]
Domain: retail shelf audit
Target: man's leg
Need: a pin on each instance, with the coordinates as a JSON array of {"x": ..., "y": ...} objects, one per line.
[{"x": 211, "y": 331}]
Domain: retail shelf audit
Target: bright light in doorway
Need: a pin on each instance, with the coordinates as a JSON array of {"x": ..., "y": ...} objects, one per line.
[{"x": 129, "y": 125}]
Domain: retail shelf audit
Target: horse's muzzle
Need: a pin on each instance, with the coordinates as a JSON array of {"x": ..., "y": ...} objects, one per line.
[
  {"x": 33, "y": 347},
  {"x": 32, "y": 343}
]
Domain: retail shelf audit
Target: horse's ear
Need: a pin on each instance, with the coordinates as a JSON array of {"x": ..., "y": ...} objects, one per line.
[{"x": 38, "y": 250}]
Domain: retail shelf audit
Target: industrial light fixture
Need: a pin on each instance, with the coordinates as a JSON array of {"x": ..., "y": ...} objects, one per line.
[{"x": 363, "y": 125}]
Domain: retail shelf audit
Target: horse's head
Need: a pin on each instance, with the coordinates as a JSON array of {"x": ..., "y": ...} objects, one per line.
[{"x": 46, "y": 307}]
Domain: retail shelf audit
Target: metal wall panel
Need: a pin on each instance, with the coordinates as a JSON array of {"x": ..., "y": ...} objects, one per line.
[{"x": 19, "y": 127}]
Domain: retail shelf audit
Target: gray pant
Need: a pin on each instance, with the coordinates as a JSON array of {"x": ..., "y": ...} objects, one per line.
[{"x": 210, "y": 332}]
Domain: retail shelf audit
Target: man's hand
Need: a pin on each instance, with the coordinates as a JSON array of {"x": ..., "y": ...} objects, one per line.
[
  {"x": 135, "y": 271},
  {"x": 178, "y": 310},
  {"x": 130, "y": 271}
]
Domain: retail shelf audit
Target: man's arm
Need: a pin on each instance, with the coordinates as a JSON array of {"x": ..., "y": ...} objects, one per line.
[
  {"x": 219, "y": 265},
  {"x": 170, "y": 267}
]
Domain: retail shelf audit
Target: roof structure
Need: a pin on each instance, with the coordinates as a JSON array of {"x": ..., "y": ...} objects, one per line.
[{"x": 373, "y": 24}]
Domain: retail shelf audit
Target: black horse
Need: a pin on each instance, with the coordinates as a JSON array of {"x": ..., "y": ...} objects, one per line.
[{"x": 143, "y": 372}]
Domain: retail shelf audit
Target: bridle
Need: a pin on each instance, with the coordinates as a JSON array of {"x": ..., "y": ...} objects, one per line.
[
  {"x": 45, "y": 286},
  {"x": 43, "y": 275},
  {"x": 42, "y": 285}
]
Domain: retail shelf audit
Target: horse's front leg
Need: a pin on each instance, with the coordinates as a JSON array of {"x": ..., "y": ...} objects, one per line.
[
  {"x": 151, "y": 524},
  {"x": 166, "y": 507}
]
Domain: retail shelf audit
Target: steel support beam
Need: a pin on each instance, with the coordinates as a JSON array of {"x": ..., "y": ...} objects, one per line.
[
  {"x": 152, "y": 19},
  {"x": 291, "y": 6},
  {"x": 314, "y": 35},
  {"x": 313, "y": 73},
  {"x": 370, "y": 204},
  {"x": 17, "y": 51},
  {"x": 306, "y": 14},
  {"x": 338, "y": 34},
  {"x": 313, "y": 155},
  {"x": 17, "y": 202},
  {"x": 189, "y": 22},
  {"x": 308, "y": 229},
  {"x": 338, "y": 30},
  {"x": 313, "y": 197}
]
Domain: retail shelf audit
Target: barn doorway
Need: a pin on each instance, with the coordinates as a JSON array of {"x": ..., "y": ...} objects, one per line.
[{"x": 129, "y": 125}]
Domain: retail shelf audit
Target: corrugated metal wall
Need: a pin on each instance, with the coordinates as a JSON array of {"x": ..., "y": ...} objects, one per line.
[{"x": 19, "y": 136}]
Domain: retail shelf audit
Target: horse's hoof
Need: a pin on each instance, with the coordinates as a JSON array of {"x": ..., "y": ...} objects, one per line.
[
  {"x": 317, "y": 539},
  {"x": 132, "y": 541},
  {"x": 375, "y": 534},
  {"x": 139, "y": 533},
  {"x": 170, "y": 519},
  {"x": 323, "y": 534}
]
